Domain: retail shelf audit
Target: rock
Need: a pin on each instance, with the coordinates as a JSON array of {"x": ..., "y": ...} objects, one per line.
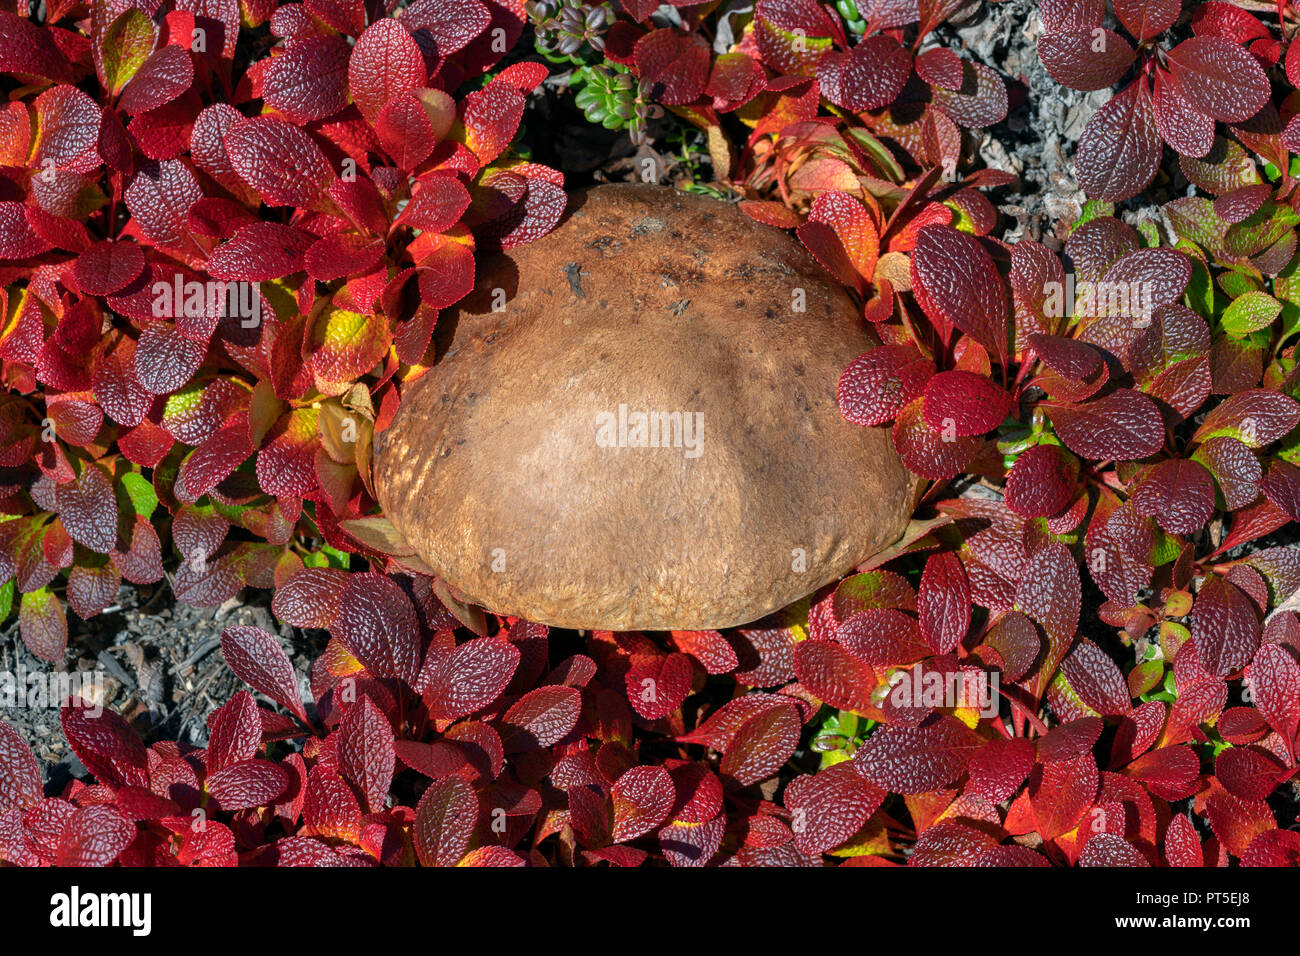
[{"x": 518, "y": 468}]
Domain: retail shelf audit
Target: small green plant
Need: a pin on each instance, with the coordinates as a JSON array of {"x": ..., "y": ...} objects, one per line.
[{"x": 610, "y": 95}]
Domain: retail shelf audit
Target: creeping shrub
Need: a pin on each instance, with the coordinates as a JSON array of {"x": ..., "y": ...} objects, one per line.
[{"x": 227, "y": 231}]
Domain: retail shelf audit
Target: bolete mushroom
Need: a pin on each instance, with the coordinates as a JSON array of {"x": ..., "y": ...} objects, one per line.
[{"x": 631, "y": 424}]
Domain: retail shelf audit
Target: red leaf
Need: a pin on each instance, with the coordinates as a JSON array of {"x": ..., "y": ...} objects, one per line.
[
  {"x": 247, "y": 784},
  {"x": 833, "y": 675},
  {"x": 883, "y": 637},
  {"x": 167, "y": 74},
  {"x": 928, "y": 453},
  {"x": 342, "y": 255},
  {"x": 1182, "y": 845},
  {"x": 1122, "y": 426},
  {"x": 642, "y": 797},
  {"x": 956, "y": 283},
  {"x": 1120, "y": 148},
  {"x": 1069, "y": 740},
  {"x": 1275, "y": 686},
  {"x": 259, "y": 252},
  {"x": 1256, "y": 418},
  {"x": 710, "y": 648},
  {"x": 1060, "y": 793},
  {"x": 447, "y": 275},
  {"x": 1147, "y": 18},
  {"x": 235, "y": 732},
  {"x": 692, "y": 845},
  {"x": 437, "y": 205},
  {"x": 829, "y": 807},
  {"x": 676, "y": 63},
  {"x": 868, "y": 77},
  {"x": 94, "y": 836},
  {"x": 280, "y": 161},
  {"x": 917, "y": 759},
  {"x": 1179, "y": 494},
  {"x": 1169, "y": 772},
  {"x": 378, "y": 626},
  {"x": 366, "y": 755},
  {"x": 445, "y": 819},
  {"x": 1106, "y": 849},
  {"x": 88, "y": 510},
  {"x": 108, "y": 267},
  {"x": 310, "y": 598},
  {"x": 1237, "y": 822},
  {"x": 385, "y": 61},
  {"x": 1225, "y": 626},
  {"x": 1273, "y": 848},
  {"x": 950, "y": 844},
  {"x": 657, "y": 686},
  {"x": 540, "y": 718},
  {"x": 981, "y": 100},
  {"x": 309, "y": 80},
  {"x": 943, "y": 602},
  {"x": 472, "y": 676},
  {"x": 1042, "y": 482},
  {"x": 842, "y": 236},
  {"x": 490, "y": 117},
  {"x": 940, "y": 66},
  {"x": 963, "y": 404},
  {"x": 1000, "y": 766},
  {"x": 257, "y": 659},
  {"x": 879, "y": 383},
  {"x": 1050, "y": 592},
  {"x": 1219, "y": 78},
  {"x": 1250, "y": 773},
  {"x": 330, "y": 809},
  {"x": 1097, "y": 679},
  {"x": 761, "y": 745},
  {"x": 1073, "y": 59},
  {"x": 20, "y": 773},
  {"x": 1185, "y": 128}
]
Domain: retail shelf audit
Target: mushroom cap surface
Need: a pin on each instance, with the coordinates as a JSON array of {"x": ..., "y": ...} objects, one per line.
[{"x": 517, "y": 467}]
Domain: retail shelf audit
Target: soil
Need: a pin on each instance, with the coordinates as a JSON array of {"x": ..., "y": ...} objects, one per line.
[{"x": 156, "y": 662}]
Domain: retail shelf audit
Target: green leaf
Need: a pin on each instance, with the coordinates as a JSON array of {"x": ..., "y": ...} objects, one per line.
[
  {"x": 125, "y": 46},
  {"x": 1250, "y": 313},
  {"x": 6, "y": 599},
  {"x": 139, "y": 489},
  {"x": 1094, "y": 209},
  {"x": 1200, "y": 290}
]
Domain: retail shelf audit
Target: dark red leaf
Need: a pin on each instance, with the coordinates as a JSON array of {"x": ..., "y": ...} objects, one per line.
[
  {"x": 259, "y": 661},
  {"x": 445, "y": 819},
  {"x": 1219, "y": 78},
  {"x": 917, "y": 759},
  {"x": 879, "y": 383},
  {"x": 1120, "y": 148},
  {"x": 963, "y": 404},
  {"x": 868, "y": 77},
  {"x": 1225, "y": 626},
  {"x": 956, "y": 283},
  {"x": 642, "y": 798},
  {"x": 943, "y": 602},
  {"x": 1123, "y": 425}
]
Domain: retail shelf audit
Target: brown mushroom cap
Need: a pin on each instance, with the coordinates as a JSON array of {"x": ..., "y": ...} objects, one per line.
[{"x": 510, "y": 471}]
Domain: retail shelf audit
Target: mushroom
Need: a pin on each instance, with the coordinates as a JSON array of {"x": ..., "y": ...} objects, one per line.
[{"x": 631, "y": 424}]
